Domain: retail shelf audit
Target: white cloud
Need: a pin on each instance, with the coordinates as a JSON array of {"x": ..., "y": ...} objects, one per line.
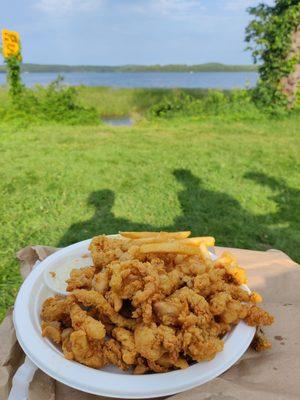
[{"x": 66, "y": 6}]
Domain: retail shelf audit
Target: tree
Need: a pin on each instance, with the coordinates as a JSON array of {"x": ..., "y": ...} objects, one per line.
[{"x": 274, "y": 39}]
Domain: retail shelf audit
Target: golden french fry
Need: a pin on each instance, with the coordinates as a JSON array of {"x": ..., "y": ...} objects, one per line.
[
  {"x": 146, "y": 240},
  {"x": 165, "y": 235},
  {"x": 170, "y": 247},
  {"x": 196, "y": 241}
]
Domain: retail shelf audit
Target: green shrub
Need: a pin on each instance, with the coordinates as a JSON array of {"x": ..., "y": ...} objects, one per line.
[
  {"x": 235, "y": 104},
  {"x": 180, "y": 103},
  {"x": 55, "y": 102},
  {"x": 269, "y": 36},
  {"x": 215, "y": 103}
]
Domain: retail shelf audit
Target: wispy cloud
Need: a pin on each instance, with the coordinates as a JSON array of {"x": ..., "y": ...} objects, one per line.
[
  {"x": 173, "y": 9},
  {"x": 66, "y": 6},
  {"x": 237, "y": 5},
  {"x": 240, "y": 5},
  {"x": 181, "y": 7},
  {"x": 139, "y": 31}
]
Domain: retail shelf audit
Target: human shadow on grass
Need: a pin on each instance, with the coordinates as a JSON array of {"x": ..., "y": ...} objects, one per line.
[
  {"x": 204, "y": 212},
  {"x": 286, "y": 198},
  {"x": 103, "y": 220},
  {"x": 283, "y": 225}
]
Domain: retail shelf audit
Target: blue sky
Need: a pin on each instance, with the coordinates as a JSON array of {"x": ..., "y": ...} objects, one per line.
[{"x": 114, "y": 32}]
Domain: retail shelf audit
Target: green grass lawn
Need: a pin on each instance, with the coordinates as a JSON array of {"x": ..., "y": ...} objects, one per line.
[{"x": 237, "y": 181}]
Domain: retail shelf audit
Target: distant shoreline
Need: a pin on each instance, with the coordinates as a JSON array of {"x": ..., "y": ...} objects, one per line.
[{"x": 208, "y": 67}]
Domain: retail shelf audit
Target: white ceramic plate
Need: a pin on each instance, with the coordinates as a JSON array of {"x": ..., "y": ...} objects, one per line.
[{"x": 110, "y": 381}]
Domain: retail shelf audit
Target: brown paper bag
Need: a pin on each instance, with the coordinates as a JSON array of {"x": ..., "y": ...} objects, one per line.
[{"x": 271, "y": 375}]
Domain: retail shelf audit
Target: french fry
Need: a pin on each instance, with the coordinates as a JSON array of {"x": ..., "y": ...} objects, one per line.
[
  {"x": 147, "y": 240},
  {"x": 170, "y": 247},
  {"x": 196, "y": 241},
  {"x": 165, "y": 235}
]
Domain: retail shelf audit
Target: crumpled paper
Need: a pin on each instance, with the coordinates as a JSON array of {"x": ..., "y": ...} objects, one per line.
[{"x": 270, "y": 375}]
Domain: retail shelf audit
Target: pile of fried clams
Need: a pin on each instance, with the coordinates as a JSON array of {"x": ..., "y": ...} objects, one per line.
[{"x": 150, "y": 306}]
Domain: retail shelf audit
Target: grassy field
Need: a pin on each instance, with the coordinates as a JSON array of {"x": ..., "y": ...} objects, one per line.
[{"x": 238, "y": 181}]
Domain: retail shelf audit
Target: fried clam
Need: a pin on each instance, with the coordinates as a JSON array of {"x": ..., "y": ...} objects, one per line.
[
  {"x": 200, "y": 344},
  {"x": 87, "y": 351},
  {"x": 128, "y": 348},
  {"x": 81, "y": 278},
  {"x": 52, "y": 330},
  {"x": 93, "y": 298},
  {"x": 153, "y": 341},
  {"x": 56, "y": 308},
  {"x": 80, "y": 320}
]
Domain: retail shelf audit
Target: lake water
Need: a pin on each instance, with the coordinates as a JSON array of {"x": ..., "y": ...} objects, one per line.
[
  {"x": 214, "y": 80},
  {"x": 123, "y": 121}
]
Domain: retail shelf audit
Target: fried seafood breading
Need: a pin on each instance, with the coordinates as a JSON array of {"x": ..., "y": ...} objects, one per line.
[
  {"x": 229, "y": 263},
  {"x": 81, "y": 278},
  {"x": 113, "y": 354},
  {"x": 52, "y": 330},
  {"x": 230, "y": 311},
  {"x": 100, "y": 281},
  {"x": 154, "y": 341},
  {"x": 91, "y": 298},
  {"x": 66, "y": 343},
  {"x": 260, "y": 342},
  {"x": 200, "y": 345},
  {"x": 153, "y": 310},
  {"x": 256, "y": 316},
  {"x": 104, "y": 250},
  {"x": 128, "y": 349},
  {"x": 93, "y": 328},
  {"x": 87, "y": 351},
  {"x": 56, "y": 309}
]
